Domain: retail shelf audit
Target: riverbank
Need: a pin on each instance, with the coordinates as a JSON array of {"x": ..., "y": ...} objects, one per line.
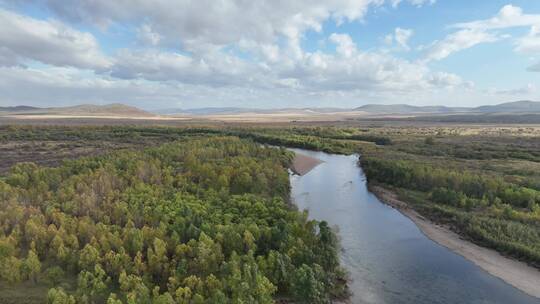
[
  {"x": 515, "y": 273},
  {"x": 302, "y": 164}
]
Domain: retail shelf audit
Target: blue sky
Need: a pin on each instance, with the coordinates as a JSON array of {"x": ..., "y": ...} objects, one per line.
[{"x": 268, "y": 54}]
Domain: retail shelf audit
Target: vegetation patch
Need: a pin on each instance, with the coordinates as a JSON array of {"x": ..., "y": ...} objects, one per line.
[{"x": 203, "y": 220}]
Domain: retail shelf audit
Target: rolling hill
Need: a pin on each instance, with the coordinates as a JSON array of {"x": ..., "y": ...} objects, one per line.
[
  {"x": 375, "y": 109},
  {"x": 515, "y": 109},
  {"x": 109, "y": 110},
  {"x": 523, "y": 106},
  {"x": 18, "y": 109},
  {"x": 406, "y": 109}
]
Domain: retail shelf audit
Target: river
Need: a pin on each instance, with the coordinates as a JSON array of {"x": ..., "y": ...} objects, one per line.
[{"x": 387, "y": 256}]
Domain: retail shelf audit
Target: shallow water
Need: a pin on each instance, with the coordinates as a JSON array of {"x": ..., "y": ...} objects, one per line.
[{"x": 387, "y": 256}]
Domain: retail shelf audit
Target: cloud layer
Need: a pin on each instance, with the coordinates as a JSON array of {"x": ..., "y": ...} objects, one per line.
[
  {"x": 51, "y": 42},
  {"x": 198, "y": 53},
  {"x": 477, "y": 32}
]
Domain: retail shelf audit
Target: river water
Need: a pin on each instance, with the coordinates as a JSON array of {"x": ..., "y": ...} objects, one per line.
[{"x": 387, "y": 256}]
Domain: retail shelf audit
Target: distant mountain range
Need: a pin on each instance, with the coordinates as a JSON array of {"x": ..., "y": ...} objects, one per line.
[
  {"x": 523, "y": 106},
  {"x": 203, "y": 111},
  {"x": 121, "y": 110},
  {"x": 18, "y": 109},
  {"x": 407, "y": 109},
  {"x": 375, "y": 109},
  {"x": 237, "y": 110},
  {"x": 115, "y": 109}
]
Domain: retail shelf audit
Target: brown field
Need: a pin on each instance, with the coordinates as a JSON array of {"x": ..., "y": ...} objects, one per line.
[
  {"x": 52, "y": 153},
  {"x": 337, "y": 119}
]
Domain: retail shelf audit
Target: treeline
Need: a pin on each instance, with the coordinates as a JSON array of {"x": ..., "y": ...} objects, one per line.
[
  {"x": 102, "y": 133},
  {"x": 330, "y": 140},
  {"x": 491, "y": 211},
  {"x": 450, "y": 186},
  {"x": 292, "y": 140},
  {"x": 477, "y": 147},
  {"x": 344, "y": 134},
  {"x": 198, "y": 221}
]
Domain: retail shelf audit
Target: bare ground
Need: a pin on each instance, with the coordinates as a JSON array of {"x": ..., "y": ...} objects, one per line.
[
  {"x": 515, "y": 273},
  {"x": 52, "y": 153},
  {"x": 302, "y": 164}
]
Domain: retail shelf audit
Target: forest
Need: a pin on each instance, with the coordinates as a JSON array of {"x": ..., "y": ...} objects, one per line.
[
  {"x": 199, "y": 220},
  {"x": 133, "y": 214}
]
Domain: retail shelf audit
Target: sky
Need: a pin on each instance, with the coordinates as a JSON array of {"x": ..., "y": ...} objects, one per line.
[{"x": 161, "y": 54}]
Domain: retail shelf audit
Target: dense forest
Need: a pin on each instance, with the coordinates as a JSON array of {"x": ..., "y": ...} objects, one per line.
[
  {"x": 198, "y": 220},
  {"x": 206, "y": 208}
]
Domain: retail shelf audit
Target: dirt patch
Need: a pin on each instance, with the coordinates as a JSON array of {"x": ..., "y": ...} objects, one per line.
[
  {"x": 515, "y": 273},
  {"x": 302, "y": 164},
  {"x": 52, "y": 153}
]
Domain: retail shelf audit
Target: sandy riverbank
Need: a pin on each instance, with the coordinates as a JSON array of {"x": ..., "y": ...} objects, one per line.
[
  {"x": 302, "y": 164},
  {"x": 515, "y": 273}
]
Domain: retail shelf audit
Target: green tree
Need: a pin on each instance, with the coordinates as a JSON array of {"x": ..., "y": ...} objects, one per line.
[
  {"x": 32, "y": 266},
  {"x": 54, "y": 275},
  {"x": 11, "y": 269},
  {"x": 89, "y": 257},
  {"x": 91, "y": 286},
  {"x": 113, "y": 299},
  {"x": 59, "y": 296},
  {"x": 134, "y": 288},
  {"x": 158, "y": 260},
  {"x": 307, "y": 285}
]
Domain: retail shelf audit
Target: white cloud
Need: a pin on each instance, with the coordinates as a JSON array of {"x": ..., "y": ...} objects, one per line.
[
  {"x": 509, "y": 16},
  {"x": 526, "y": 90},
  {"x": 456, "y": 42},
  {"x": 202, "y": 22},
  {"x": 200, "y": 27},
  {"x": 345, "y": 45},
  {"x": 418, "y": 3},
  {"x": 353, "y": 70},
  {"x": 214, "y": 52},
  {"x": 347, "y": 70},
  {"x": 67, "y": 86},
  {"x": 484, "y": 31},
  {"x": 154, "y": 65},
  {"x": 211, "y": 22},
  {"x": 51, "y": 86},
  {"x": 447, "y": 80},
  {"x": 147, "y": 36},
  {"x": 52, "y": 42},
  {"x": 529, "y": 44},
  {"x": 401, "y": 37},
  {"x": 215, "y": 69}
]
